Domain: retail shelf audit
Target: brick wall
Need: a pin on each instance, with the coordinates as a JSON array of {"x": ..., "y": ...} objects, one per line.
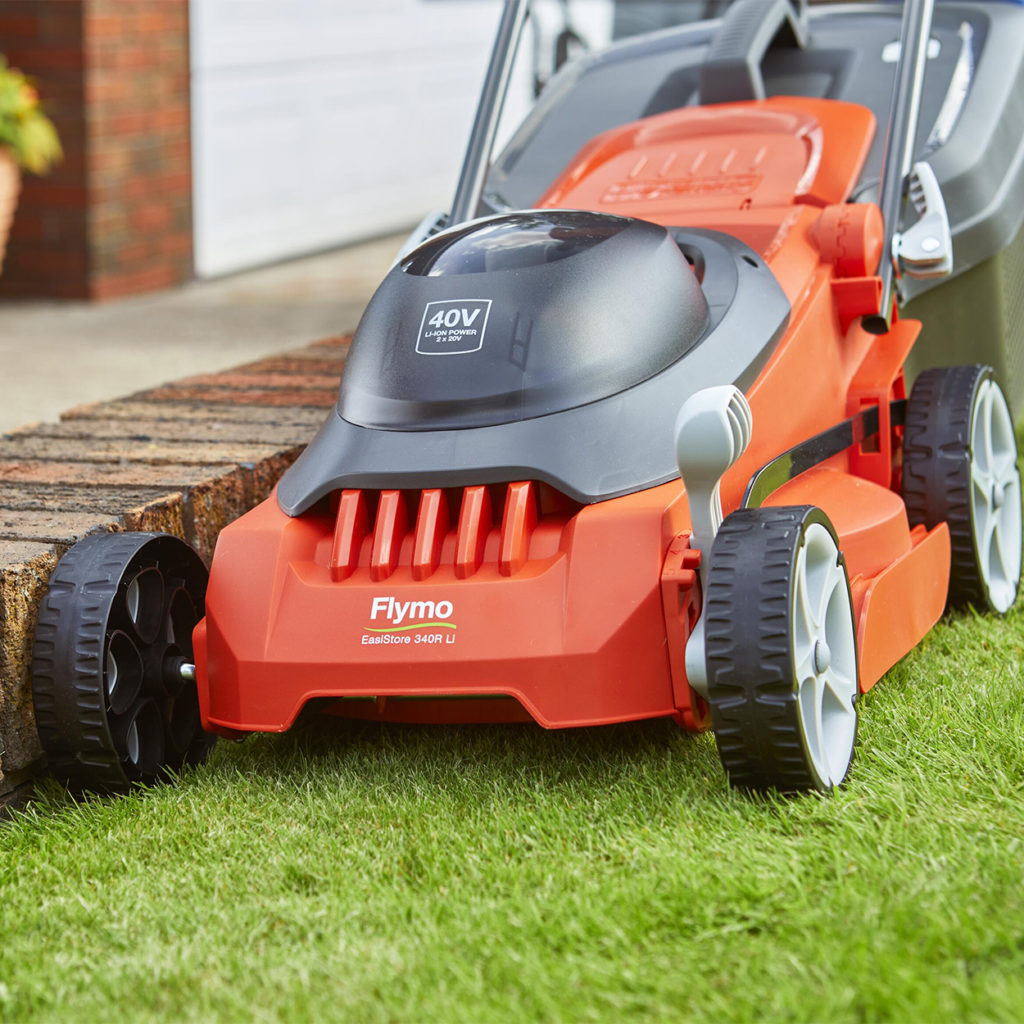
[
  {"x": 115, "y": 217},
  {"x": 47, "y": 250},
  {"x": 140, "y": 181},
  {"x": 185, "y": 458}
]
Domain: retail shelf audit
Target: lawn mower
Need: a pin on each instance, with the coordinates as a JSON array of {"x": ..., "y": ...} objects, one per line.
[{"x": 626, "y": 433}]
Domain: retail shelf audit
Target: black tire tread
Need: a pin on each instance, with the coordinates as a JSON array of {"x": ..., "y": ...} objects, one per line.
[
  {"x": 937, "y": 469},
  {"x": 68, "y": 661},
  {"x": 751, "y": 691}
]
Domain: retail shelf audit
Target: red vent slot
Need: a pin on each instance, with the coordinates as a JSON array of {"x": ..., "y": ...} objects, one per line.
[
  {"x": 350, "y": 528},
  {"x": 373, "y": 529},
  {"x": 475, "y": 522},
  {"x": 388, "y": 533},
  {"x": 517, "y": 526},
  {"x": 431, "y": 529}
]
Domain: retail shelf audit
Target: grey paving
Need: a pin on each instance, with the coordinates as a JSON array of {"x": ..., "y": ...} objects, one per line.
[{"x": 57, "y": 355}]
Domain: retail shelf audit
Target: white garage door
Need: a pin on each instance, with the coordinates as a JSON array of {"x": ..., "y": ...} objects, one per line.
[{"x": 318, "y": 122}]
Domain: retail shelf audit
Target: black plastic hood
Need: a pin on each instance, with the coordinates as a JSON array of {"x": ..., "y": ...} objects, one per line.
[
  {"x": 520, "y": 316},
  {"x": 611, "y": 446}
]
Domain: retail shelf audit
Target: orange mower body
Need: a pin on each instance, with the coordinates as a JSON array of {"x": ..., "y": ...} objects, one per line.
[{"x": 497, "y": 602}]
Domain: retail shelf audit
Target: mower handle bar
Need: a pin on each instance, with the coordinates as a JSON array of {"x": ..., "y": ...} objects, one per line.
[
  {"x": 477, "y": 160},
  {"x": 900, "y": 136},
  {"x": 901, "y": 131}
]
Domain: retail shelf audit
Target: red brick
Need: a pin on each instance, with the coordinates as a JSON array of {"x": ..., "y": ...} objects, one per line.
[
  {"x": 51, "y": 527},
  {"x": 27, "y": 471},
  {"x": 43, "y": 260},
  {"x": 108, "y": 222},
  {"x": 245, "y": 433},
  {"x": 107, "y": 90},
  {"x": 177, "y": 181},
  {"x": 63, "y": 20},
  {"x": 332, "y": 350},
  {"x": 101, "y": 501},
  {"x": 21, "y": 286},
  {"x": 114, "y": 255},
  {"x": 249, "y": 418},
  {"x": 113, "y": 286},
  {"x": 151, "y": 217},
  {"x": 251, "y": 379},
  {"x": 157, "y": 20},
  {"x": 176, "y": 245},
  {"x": 104, "y": 123},
  {"x": 55, "y": 193},
  {"x": 339, "y": 341},
  {"x": 172, "y": 393},
  {"x": 136, "y": 450},
  {"x": 100, "y": 25},
  {"x": 25, "y": 568},
  {"x": 129, "y": 508},
  {"x": 287, "y": 366},
  {"x": 36, "y": 59},
  {"x": 127, "y": 59},
  {"x": 176, "y": 116},
  {"x": 15, "y": 553},
  {"x": 111, "y": 71},
  {"x": 178, "y": 150},
  {"x": 31, "y": 226},
  {"x": 19, "y": 24}
]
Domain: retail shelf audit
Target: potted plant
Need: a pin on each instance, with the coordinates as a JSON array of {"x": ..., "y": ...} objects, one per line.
[{"x": 28, "y": 141}]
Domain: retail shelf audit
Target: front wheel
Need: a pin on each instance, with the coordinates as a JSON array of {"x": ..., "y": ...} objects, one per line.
[
  {"x": 113, "y": 707},
  {"x": 781, "y": 650}
]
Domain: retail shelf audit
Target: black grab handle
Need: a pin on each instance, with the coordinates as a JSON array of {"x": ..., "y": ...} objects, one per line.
[{"x": 731, "y": 72}]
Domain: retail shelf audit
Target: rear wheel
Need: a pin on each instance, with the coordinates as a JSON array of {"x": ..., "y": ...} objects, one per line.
[
  {"x": 114, "y": 629},
  {"x": 781, "y": 650},
  {"x": 960, "y": 467}
]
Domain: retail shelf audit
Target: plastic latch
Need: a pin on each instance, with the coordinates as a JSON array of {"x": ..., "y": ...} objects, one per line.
[
  {"x": 713, "y": 429},
  {"x": 925, "y": 249}
]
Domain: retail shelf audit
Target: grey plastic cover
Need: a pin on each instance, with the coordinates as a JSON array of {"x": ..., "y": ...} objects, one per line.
[{"x": 615, "y": 445}]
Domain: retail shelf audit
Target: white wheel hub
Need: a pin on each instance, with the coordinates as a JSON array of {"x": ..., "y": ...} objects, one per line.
[
  {"x": 824, "y": 648},
  {"x": 822, "y": 656},
  {"x": 995, "y": 496}
]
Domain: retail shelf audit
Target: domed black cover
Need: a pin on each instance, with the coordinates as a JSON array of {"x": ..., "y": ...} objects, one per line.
[
  {"x": 616, "y": 445},
  {"x": 520, "y": 316}
]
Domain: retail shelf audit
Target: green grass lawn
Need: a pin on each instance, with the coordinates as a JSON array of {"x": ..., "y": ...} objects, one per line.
[{"x": 368, "y": 873}]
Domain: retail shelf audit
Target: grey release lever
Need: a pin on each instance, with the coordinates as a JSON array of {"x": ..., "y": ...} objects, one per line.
[{"x": 926, "y": 248}]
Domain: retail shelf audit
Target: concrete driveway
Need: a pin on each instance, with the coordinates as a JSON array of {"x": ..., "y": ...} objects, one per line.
[{"x": 57, "y": 355}]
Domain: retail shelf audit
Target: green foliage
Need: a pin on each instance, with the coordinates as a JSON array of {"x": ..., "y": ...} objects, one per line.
[
  {"x": 25, "y": 131},
  {"x": 387, "y": 873}
]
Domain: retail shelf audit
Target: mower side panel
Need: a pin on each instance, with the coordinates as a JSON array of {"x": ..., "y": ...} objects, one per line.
[{"x": 896, "y": 608}]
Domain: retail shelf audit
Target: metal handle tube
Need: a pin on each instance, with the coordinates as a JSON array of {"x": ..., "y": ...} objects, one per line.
[
  {"x": 481, "y": 140},
  {"x": 901, "y": 134}
]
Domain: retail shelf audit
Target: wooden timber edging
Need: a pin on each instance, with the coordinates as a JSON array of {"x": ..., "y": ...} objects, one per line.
[{"x": 185, "y": 458}]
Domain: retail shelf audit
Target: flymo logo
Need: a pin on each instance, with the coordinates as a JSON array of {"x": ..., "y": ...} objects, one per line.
[{"x": 403, "y": 622}]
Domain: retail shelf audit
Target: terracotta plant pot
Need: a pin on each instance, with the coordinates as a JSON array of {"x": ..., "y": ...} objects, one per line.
[{"x": 10, "y": 186}]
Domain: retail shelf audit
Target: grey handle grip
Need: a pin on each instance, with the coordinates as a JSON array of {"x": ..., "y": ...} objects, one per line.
[{"x": 732, "y": 69}]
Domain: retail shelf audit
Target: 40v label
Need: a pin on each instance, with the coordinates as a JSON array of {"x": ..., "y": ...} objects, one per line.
[{"x": 453, "y": 327}]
